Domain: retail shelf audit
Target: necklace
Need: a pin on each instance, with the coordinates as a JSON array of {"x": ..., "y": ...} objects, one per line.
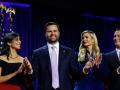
[{"x": 14, "y": 57}]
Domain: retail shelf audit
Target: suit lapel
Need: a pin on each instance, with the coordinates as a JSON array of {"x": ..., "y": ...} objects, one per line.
[
  {"x": 61, "y": 56},
  {"x": 116, "y": 59},
  {"x": 115, "y": 56},
  {"x": 47, "y": 56},
  {"x": 62, "y": 52}
]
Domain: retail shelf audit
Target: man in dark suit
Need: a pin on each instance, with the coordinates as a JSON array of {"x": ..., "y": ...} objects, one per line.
[
  {"x": 54, "y": 68},
  {"x": 113, "y": 59}
]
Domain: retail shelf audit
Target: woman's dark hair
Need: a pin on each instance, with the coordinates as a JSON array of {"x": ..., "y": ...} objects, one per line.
[{"x": 8, "y": 39}]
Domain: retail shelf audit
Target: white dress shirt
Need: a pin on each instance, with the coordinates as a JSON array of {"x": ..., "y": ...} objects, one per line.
[
  {"x": 56, "y": 49},
  {"x": 118, "y": 53},
  {"x": 54, "y": 67}
]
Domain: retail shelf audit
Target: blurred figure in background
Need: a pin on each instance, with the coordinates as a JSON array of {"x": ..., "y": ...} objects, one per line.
[{"x": 113, "y": 62}]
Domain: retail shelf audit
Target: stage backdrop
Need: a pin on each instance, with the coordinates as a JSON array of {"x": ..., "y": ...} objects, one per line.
[
  {"x": 29, "y": 23},
  {"x": 21, "y": 24}
]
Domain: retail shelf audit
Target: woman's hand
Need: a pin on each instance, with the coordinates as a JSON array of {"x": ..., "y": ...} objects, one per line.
[
  {"x": 87, "y": 67},
  {"x": 28, "y": 66},
  {"x": 91, "y": 59},
  {"x": 98, "y": 60},
  {"x": 20, "y": 68}
]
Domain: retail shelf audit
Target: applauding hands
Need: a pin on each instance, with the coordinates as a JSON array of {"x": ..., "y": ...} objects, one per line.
[
  {"x": 91, "y": 62},
  {"x": 27, "y": 66}
]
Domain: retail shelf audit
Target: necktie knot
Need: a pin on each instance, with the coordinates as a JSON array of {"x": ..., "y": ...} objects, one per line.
[{"x": 53, "y": 47}]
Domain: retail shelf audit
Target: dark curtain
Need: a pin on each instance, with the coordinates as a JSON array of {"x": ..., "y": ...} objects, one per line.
[
  {"x": 73, "y": 24},
  {"x": 104, "y": 28},
  {"x": 22, "y": 25},
  {"x": 29, "y": 22}
]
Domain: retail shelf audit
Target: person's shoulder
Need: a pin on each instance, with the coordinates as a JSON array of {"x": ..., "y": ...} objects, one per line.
[
  {"x": 109, "y": 53},
  {"x": 40, "y": 49},
  {"x": 21, "y": 58},
  {"x": 69, "y": 49},
  {"x": 65, "y": 47},
  {"x": 2, "y": 57}
]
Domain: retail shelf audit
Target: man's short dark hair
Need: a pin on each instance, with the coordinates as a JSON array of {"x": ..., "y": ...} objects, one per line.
[{"x": 51, "y": 23}]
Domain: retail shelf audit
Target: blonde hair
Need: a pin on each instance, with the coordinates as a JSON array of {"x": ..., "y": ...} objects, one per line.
[{"x": 95, "y": 47}]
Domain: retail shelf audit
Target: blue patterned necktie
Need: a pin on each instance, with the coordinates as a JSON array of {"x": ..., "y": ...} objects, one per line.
[{"x": 54, "y": 66}]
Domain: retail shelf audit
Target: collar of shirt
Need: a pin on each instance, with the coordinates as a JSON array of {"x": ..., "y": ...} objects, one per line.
[
  {"x": 56, "y": 48},
  {"x": 118, "y": 51}
]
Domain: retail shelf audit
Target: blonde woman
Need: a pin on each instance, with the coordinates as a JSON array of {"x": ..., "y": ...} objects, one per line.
[{"x": 89, "y": 57}]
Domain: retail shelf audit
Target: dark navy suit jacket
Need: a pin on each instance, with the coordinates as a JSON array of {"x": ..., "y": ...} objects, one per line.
[
  {"x": 113, "y": 64},
  {"x": 68, "y": 68}
]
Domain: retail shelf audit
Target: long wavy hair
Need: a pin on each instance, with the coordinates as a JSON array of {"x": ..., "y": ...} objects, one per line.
[
  {"x": 95, "y": 47},
  {"x": 9, "y": 37}
]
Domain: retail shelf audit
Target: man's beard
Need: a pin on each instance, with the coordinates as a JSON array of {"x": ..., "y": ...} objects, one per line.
[{"x": 51, "y": 42}]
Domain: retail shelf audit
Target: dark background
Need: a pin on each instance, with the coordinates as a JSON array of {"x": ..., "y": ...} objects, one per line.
[{"x": 74, "y": 16}]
